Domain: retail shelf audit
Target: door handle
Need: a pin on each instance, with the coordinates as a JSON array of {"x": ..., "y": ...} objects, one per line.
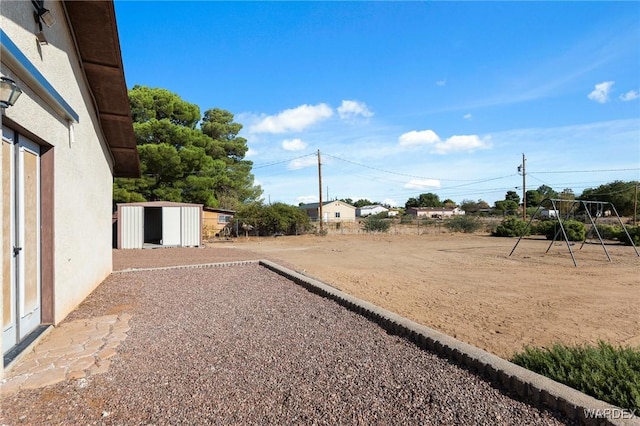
[{"x": 16, "y": 250}]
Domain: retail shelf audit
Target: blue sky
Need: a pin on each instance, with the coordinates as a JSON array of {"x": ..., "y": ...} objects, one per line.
[{"x": 403, "y": 98}]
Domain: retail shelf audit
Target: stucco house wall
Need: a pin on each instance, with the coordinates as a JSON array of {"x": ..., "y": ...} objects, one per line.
[
  {"x": 77, "y": 162},
  {"x": 214, "y": 220},
  {"x": 332, "y": 211}
]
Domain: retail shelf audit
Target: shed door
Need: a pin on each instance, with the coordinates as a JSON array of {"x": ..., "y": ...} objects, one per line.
[
  {"x": 171, "y": 226},
  {"x": 191, "y": 226},
  {"x": 21, "y": 242}
]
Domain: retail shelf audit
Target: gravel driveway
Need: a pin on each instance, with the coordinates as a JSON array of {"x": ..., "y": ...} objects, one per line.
[{"x": 242, "y": 345}]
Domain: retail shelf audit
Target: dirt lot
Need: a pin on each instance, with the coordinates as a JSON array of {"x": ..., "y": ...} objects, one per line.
[{"x": 469, "y": 287}]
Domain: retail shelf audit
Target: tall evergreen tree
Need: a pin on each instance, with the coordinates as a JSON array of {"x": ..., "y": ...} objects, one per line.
[{"x": 181, "y": 162}]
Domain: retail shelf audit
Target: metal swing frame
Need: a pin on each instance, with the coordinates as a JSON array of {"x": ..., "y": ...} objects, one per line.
[{"x": 600, "y": 209}]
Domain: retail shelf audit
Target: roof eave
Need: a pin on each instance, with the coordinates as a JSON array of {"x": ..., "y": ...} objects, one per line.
[{"x": 93, "y": 25}]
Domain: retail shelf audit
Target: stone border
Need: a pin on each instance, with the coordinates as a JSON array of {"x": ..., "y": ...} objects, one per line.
[
  {"x": 529, "y": 386},
  {"x": 199, "y": 265}
]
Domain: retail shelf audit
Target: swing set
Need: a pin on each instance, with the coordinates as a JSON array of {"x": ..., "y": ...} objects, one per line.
[{"x": 593, "y": 211}]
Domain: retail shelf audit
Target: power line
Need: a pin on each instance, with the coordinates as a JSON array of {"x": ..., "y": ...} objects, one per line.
[
  {"x": 390, "y": 172},
  {"x": 588, "y": 171},
  {"x": 282, "y": 161}
]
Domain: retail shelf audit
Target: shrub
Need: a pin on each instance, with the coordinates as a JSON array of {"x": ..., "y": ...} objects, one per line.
[
  {"x": 609, "y": 232},
  {"x": 544, "y": 227},
  {"x": 634, "y": 233},
  {"x": 277, "y": 218},
  {"x": 576, "y": 231},
  {"x": 376, "y": 224},
  {"x": 406, "y": 218},
  {"x": 511, "y": 227},
  {"x": 463, "y": 223},
  {"x": 604, "y": 372}
]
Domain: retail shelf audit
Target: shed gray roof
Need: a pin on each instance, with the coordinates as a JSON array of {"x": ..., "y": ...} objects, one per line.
[{"x": 160, "y": 204}]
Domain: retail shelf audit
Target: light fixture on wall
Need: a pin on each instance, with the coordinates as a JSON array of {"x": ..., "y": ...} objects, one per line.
[
  {"x": 43, "y": 13},
  {"x": 9, "y": 92},
  {"x": 41, "y": 38},
  {"x": 40, "y": 15}
]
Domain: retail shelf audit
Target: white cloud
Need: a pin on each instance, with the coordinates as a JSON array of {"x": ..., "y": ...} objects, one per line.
[
  {"x": 460, "y": 143},
  {"x": 301, "y": 163},
  {"x": 414, "y": 138},
  {"x": 456, "y": 143},
  {"x": 251, "y": 153},
  {"x": 295, "y": 119},
  {"x": 601, "y": 92},
  {"x": 306, "y": 199},
  {"x": 422, "y": 183},
  {"x": 467, "y": 116},
  {"x": 353, "y": 109},
  {"x": 441, "y": 82},
  {"x": 293, "y": 144},
  {"x": 630, "y": 95},
  {"x": 390, "y": 202}
]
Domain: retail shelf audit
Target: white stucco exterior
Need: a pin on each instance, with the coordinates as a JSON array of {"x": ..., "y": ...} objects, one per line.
[{"x": 82, "y": 165}]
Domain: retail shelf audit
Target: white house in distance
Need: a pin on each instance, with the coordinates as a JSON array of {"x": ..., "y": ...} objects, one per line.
[
  {"x": 332, "y": 211},
  {"x": 435, "y": 212},
  {"x": 63, "y": 141},
  {"x": 365, "y": 211}
]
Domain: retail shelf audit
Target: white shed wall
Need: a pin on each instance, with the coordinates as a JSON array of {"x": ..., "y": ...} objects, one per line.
[
  {"x": 191, "y": 226},
  {"x": 131, "y": 223}
]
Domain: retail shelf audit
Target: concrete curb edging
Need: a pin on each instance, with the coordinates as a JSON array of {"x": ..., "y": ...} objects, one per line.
[
  {"x": 199, "y": 265},
  {"x": 531, "y": 387}
]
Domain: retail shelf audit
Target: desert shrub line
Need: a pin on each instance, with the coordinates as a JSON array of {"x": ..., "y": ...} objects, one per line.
[
  {"x": 608, "y": 373},
  {"x": 466, "y": 224},
  {"x": 511, "y": 226},
  {"x": 376, "y": 224}
]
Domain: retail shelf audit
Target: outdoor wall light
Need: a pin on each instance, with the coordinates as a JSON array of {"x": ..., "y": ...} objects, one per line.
[
  {"x": 43, "y": 14},
  {"x": 41, "y": 38},
  {"x": 9, "y": 92}
]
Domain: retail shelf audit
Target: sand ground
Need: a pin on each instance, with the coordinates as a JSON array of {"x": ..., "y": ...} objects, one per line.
[{"x": 469, "y": 286}]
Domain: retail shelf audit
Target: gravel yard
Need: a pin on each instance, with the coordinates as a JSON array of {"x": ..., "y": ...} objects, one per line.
[{"x": 242, "y": 345}]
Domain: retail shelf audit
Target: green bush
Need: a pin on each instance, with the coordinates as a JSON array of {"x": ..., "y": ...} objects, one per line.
[
  {"x": 463, "y": 223},
  {"x": 609, "y": 232},
  {"x": 376, "y": 224},
  {"x": 406, "y": 219},
  {"x": 604, "y": 372},
  {"x": 272, "y": 219},
  {"x": 576, "y": 231},
  {"x": 634, "y": 233},
  {"x": 511, "y": 227},
  {"x": 544, "y": 227}
]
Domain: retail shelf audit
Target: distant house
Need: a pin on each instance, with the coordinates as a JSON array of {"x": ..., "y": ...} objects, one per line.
[
  {"x": 215, "y": 220},
  {"x": 435, "y": 212},
  {"x": 549, "y": 214},
  {"x": 63, "y": 141},
  {"x": 393, "y": 212},
  {"x": 332, "y": 211},
  {"x": 365, "y": 211}
]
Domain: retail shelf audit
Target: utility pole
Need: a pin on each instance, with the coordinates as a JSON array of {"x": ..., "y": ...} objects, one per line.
[
  {"x": 524, "y": 189},
  {"x": 635, "y": 205},
  {"x": 320, "y": 191}
]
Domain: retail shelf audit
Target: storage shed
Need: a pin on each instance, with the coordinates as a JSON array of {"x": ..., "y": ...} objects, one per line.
[{"x": 158, "y": 223}]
